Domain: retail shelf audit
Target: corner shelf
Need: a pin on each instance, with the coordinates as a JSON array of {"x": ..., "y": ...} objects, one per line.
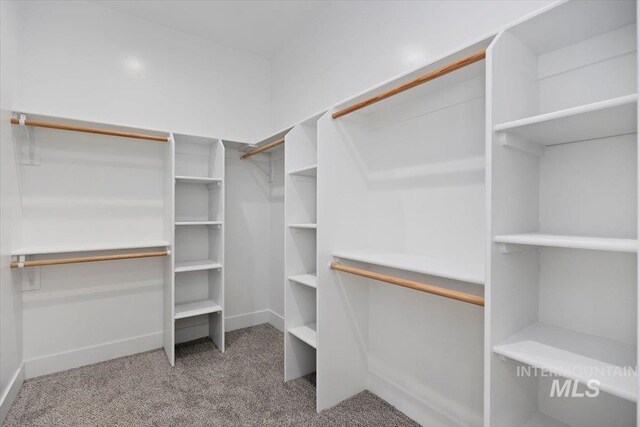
[
  {"x": 574, "y": 355},
  {"x": 305, "y": 171},
  {"x": 305, "y": 333},
  {"x": 196, "y": 308},
  {"x": 196, "y": 265},
  {"x": 197, "y": 180},
  {"x": 440, "y": 267},
  {"x": 574, "y": 242},
  {"x": 308, "y": 226},
  {"x": 611, "y": 117},
  {"x": 304, "y": 279}
]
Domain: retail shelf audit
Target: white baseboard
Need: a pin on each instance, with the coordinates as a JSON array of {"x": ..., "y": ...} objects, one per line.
[
  {"x": 415, "y": 407},
  {"x": 93, "y": 354},
  {"x": 276, "y": 320},
  {"x": 246, "y": 320},
  {"x": 239, "y": 321},
  {"x": 10, "y": 393}
]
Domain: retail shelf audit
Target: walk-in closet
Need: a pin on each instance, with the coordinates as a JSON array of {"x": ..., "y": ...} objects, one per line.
[{"x": 319, "y": 213}]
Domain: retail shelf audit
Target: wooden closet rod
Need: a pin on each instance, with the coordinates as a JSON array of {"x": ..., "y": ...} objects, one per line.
[
  {"x": 36, "y": 123},
  {"x": 453, "y": 66},
  {"x": 423, "y": 287},
  {"x": 16, "y": 264},
  {"x": 263, "y": 148}
]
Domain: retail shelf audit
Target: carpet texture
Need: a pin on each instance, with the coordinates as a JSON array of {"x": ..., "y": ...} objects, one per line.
[{"x": 243, "y": 387}]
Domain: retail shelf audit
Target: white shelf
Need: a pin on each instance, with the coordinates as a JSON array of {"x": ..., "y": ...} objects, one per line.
[
  {"x": 542, "y": 420},
  {"x": 574, "y": 355},
  {"x": 574, "y": 242},
  {"x": 196, "y": 180},
  {"x": 441, "y": 267},
  {"x": 306, "y": 333},
  {"x": 196, "y": 308},
  {"x": 306, "y": 171},
  {"x": 198, "y": 222},
  {"x": 310, "y": 226},
  {"x": 41, "y": 250},
  {"x": 196, "y": 265},
  {"x": 611, "y": 117},
  {"x": 304, "y": 279}
]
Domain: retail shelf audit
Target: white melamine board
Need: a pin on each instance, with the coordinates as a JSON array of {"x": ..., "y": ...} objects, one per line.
[
  {"x": 575, "y": 242},
  {"x": 305, "y": 279},
  {"x": 199, "y": 223},
  {"x": 168, "y": 303},
  {"x": 93, "y": 247},
  {"x": 306, "y": 333},
  {"x": 309, "y": 226},
  {"x": 196, "y": 265},
  {"x": 197, "y": 180},
  {"x": 597, "y": 120},
  {"x": 305, "y": 171},
  {"x": 574, "y": 355},
  {"x": 196, "y": 308},
  {"x": 446, "y": 268}
]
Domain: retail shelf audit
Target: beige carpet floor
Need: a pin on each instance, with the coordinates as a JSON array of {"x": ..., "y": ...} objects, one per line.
[{"x": 243, "y": 387}]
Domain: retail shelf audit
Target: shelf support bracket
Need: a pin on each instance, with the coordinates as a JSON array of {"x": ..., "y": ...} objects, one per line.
[
  {"x": 265, "y": 171},
  {"x": 30, "y": 155},
  {"x": 507, "y": 139}
]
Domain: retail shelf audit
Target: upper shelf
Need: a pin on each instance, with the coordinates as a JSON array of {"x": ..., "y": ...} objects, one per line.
[
  {"x": 196, "y": 180},
  {"x": 576, "y": 356},
  {"x": 306, "y": 171},
  {"x": 573, "y": 242},
  {"x": 43, "y": 250},
  {"x": 611, "y": 117},
  {"x": 440, "y": 267}
]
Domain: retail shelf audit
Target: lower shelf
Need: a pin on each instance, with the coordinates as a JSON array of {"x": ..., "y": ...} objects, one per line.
[
  {"x": 305, "y": 333},
  {"x": 304, "y": 279},
  {"x": 196, "y": 308},
  {"x": 541, "y": 420},
  {"x": 577, "y": 356},
  {"x": 196, "y": 265}
]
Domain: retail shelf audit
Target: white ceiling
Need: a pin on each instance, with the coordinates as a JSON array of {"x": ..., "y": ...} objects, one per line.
[{"x": 254, "y": 26}]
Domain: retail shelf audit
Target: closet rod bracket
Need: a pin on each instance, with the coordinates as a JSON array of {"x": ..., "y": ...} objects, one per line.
[{"x": 29, "y": 154}]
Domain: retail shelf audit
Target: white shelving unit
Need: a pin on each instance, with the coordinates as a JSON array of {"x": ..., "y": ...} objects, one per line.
[
  {"x": 304, "y": 279},
  {"x": 563, "y": 199},
  {"x": 300, "y": 250},
  {"x": 404, "y": 196},
  {"x": 199, "y": 239}
]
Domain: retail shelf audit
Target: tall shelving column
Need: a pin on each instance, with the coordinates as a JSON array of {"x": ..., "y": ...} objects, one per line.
[
  {"x": 199, "y": 239},
  {"x": 563, "y": 196},
  {"x": 300, "y": 250}
]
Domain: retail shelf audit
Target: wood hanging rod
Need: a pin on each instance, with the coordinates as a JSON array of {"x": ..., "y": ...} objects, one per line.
[
  {"x": 423, "y": 287},
  {"x": 37, "y": 123},
  {"x": 17, "y": 264},
  {"x": 453, "y": 66},
  {"x": 263, "y": 148}
]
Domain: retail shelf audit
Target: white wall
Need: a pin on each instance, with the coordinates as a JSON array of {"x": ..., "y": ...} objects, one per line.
[
  {"x": 85, "y": 61},
  {"x": 354, "y": 45},
  {"x": 11, "y": 373},
  {"x": 88, "y": 62}
]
